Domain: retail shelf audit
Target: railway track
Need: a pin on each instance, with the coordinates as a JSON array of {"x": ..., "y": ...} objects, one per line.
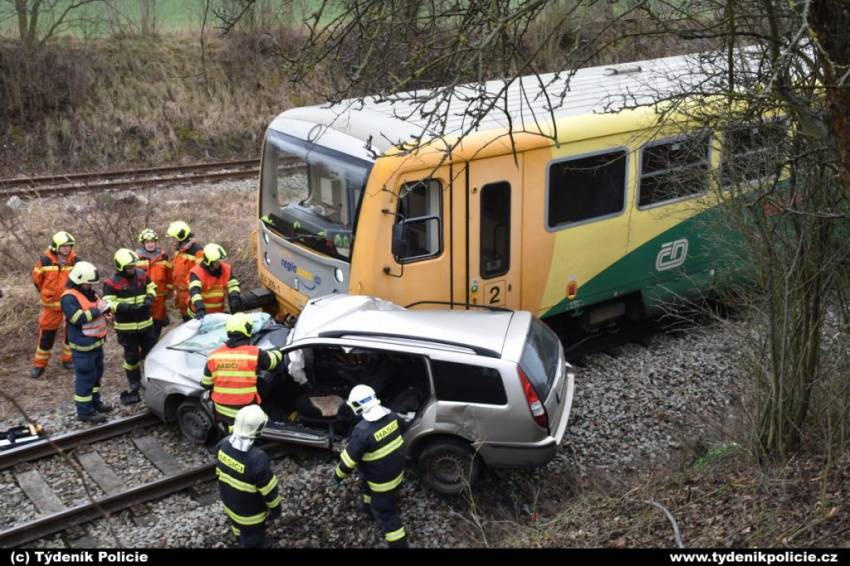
[
  {"x": 57, "y": 185},
  {"x": 54, "y": 517}
]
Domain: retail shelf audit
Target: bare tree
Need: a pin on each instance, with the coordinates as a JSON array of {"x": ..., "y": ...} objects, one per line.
[{"x": 40, "y": 20}]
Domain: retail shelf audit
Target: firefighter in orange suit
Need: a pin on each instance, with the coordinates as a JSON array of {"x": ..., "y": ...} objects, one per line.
[
  {"x": 231, "y": 370},
  {"x": 155, "y": 263},
  {"x": 211, "y": 282},
  {"x": 187, "y": 254},
  {"x": 50, "y": 275}
]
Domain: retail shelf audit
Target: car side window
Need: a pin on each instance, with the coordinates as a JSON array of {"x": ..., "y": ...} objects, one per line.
[{"x": 468, "y": 383}]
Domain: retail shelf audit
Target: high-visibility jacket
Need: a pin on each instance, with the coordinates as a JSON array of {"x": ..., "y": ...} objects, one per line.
[
  {"x": 188, "y": 255},
  {"x": 378, "y": 449},
  {"x": 210, "y": 290},
  {"x": 86, "y": 322},
  {"x": 231, "y": 373},
  {"x": 159, "y": 270},
  {"x": 246, "y": 483},
  {"x": 131, "y": 294},
  {"x": 50, "y": 278}
]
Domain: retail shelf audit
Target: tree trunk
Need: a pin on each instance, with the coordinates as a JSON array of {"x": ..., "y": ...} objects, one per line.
[
  {"x": 830, "y": 21},
  {"x": 147, "y": 9}
]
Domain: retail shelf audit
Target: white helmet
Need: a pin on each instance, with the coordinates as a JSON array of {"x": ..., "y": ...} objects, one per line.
[
  {"x": 362, "y": 400},
  {"x": 250, "y": 421},
  {"x": 83, "y": 272}
]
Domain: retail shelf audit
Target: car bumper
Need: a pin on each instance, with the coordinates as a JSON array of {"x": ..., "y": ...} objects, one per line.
[{"x": 519, "y": 455}]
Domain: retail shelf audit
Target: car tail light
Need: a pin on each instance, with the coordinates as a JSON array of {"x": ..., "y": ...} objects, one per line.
[{"x": 535, "y": 405}]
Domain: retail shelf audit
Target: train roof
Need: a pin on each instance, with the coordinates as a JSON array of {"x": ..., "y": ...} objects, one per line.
[{"x": 399, "y": 119}]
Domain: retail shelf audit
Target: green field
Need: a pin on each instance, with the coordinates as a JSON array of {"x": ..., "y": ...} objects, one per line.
[
  {"x": 104, "y": 18},
  {"x": 116, "y": 17}
]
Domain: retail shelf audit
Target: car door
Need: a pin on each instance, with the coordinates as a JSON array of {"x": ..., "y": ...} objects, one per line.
[{"x": 283, "y": 431}]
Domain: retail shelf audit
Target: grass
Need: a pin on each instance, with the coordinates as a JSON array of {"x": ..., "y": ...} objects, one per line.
[
  {"x": 152, "y": 102},
  {"x": 732, "y": 502}
]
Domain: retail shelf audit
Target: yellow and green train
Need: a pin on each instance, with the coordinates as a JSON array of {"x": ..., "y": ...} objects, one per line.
[{"x": 592, "y": 209}]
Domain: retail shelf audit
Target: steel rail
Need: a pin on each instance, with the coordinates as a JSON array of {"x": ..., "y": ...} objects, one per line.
[
  {"x": 127, "y": 183},
  {"x": 100, "y": 508},
  {"x": 63, "y": 443},
  {"x": 66, "y": 177}
]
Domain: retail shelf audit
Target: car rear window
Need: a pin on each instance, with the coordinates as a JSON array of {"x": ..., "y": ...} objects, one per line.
[
  {"x": 468, "y": 383},
  {"x": 540, "y": 357}
]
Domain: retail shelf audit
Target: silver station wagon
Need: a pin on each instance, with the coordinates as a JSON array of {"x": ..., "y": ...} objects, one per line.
[{"x": 477, "y": 387}]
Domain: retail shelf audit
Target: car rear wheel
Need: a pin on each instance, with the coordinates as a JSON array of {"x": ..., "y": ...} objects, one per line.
[
  {"x": 449, "y": 466},
  {"x": 195, "y": 423}
]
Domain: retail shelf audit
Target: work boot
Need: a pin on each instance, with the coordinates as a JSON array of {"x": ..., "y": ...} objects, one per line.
[
  {"x": 67, "y": 365},
  {"x": 36, "y": 372},
  {"x": 94, "y": 418},
  {"x": 102, "y": 407},
  {"x": 130, "y": 397}
]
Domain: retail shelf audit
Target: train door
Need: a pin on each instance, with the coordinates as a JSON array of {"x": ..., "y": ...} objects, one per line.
[
  {"x": 420, "y": 268},
  {"x": 494, "y": 231}
]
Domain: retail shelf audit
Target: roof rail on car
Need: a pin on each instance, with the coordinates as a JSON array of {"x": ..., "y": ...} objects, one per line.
[
  {"x": 456, "y": 304},
  {"x": 487, "y": 352}
]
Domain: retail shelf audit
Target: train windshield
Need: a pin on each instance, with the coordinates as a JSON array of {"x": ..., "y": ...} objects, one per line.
[{"x": 311, "y": 194}]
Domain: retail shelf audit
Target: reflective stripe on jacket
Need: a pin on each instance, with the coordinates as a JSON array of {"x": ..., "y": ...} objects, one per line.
[
  {"x": 159, "y": 271},
  {"x": 50, "y": 278},
  {"x": 377, "y": 448},
  {"x": 209, "y": 289},
  {"x": 246, "y": 483},
  {"x": 233, "y": 374},
  {"x": 86, "y": 324},
  {"x": 127, "y": 295}
]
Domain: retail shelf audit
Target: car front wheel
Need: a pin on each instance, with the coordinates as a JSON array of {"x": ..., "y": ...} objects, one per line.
[
  {"x": 449, "y": 466},
  {"x": 195, "y": 423}
]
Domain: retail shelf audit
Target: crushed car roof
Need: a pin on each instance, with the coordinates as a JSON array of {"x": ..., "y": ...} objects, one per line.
[{"x": 344, "y": 315}]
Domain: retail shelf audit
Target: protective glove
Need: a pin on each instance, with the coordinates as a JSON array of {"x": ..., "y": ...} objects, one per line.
[
  {"x": 337, "y": 482},
  {"x": 274, "y": 513},
  {"x": 200, "y": 314},
  {"x": 235, "y": 303},
  {"x": 148, "y": 301}
]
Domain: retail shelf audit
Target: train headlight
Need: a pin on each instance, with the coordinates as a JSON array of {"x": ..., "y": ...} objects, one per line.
[
  {"x": 339, "y": 275},
  {"x": 266, "y": 258},
  {"x": 266, "y": 238}
]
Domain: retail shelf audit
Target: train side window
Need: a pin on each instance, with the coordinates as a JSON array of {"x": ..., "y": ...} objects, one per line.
[
  {"x": 418, "y": 233},
  {"x": 673, "y": 170},
  {"x": 753, "y": 152},
  {"x": 586, "y": 188},
  {"x": 495, "y": 229}
]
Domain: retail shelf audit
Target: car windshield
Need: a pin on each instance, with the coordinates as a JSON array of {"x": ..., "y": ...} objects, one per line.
[
  {"x": 540, "y": 357},
  {"x": 310, "y": 194},
  {"x": 212, "y": 334}
]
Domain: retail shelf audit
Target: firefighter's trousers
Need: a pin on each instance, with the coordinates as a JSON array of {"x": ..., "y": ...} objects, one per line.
[
  {"x": 49, "y": 323},
  {"x": 384, "y": 509},
  {"x": 88, "y": 371},
  {"x": 136, "y": 346},
  {"x": 250, "y": 537}
]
